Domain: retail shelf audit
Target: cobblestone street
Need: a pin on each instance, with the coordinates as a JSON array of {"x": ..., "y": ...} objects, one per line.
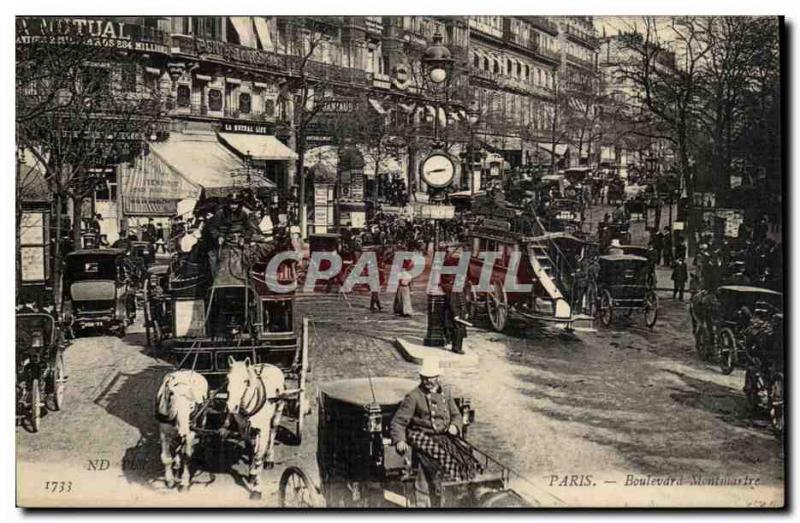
[{"x": 599, "y": 405}]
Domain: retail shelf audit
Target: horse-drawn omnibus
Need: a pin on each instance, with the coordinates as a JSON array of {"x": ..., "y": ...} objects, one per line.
[{"x": 228, "y": 325}]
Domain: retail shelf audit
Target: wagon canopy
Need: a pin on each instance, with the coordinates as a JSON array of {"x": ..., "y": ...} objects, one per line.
[
  {"x": 29, "y": 325},
  {"x": 364, "y": 391},
  {"x": 732, "y": 297}
]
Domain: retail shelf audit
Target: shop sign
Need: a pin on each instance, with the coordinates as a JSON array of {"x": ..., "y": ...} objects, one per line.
[
  {"x": 238, "y": 54},
  {"x": 246, "y": 128},
  {"x": 436, "y": 212},
  {"x": 89, "y": 31},
  {"x": 338, "y": 105}
]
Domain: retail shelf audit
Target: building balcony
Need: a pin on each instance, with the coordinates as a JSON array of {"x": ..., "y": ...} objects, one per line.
[
  {"x": 542, "y": 23},
  {"x": 548, "y": 54},
  {"x": 374, "y": 24},
  {"x": 486, "y": 29},
  {"x": 582, "y": 37},
  {"x": 587, "y": 64},
  {"x": 330, "y": 73}
]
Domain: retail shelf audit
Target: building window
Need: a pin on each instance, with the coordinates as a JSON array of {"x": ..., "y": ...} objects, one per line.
[
  {"x": 476, "y": 61},
  {"x": 215, "y": 100},
  {"x": 509, "y": 67},
  {"x": 485, "y": 64},
  {"x": 527, "y": 72},
  {"x": 496, "y": 67},
  {"x": 519, "y": 69},
  {"x": 184, "y": 95},
  {"x": 245, "y": 103},
  {"x": 269, "y": 107}
]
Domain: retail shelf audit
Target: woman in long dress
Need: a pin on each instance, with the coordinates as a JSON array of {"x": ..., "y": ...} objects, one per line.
[{"x": 402, "y": 298}]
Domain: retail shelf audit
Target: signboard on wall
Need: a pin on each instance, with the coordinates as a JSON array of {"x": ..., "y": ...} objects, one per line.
[{"x": 33, "y": 248}]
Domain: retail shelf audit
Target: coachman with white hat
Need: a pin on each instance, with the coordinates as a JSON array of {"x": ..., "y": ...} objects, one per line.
[{"x": 429, "y": 421}]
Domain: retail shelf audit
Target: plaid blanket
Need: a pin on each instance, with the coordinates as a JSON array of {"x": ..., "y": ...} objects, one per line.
[{"x": 449, "y": 453}]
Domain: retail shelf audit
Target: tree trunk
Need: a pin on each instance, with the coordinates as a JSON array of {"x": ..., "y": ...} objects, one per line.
[
  {"x": 56, "y": 266},
  {"x": 77, "y": 207},
  {"x": 301, "y": 193}
]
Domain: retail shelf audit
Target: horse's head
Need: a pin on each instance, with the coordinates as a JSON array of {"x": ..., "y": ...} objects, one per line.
[{"x": 238, "y": 382}]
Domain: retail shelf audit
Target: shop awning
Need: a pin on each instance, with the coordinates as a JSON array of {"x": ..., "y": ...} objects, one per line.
[
  {"x": 244, "y": 27},
  {"x": 262, "y": 30},
  {"x": 206, "y": 164},
  {"x": 259, "y": 147}
]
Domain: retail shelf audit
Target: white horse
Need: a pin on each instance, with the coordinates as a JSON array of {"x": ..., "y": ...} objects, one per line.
[
  {"x": 180, "y": 393},
  {"x": 255, "y": 405}
]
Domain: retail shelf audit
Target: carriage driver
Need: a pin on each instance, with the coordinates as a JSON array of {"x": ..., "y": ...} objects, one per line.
[{"x": 429, "y": 420}]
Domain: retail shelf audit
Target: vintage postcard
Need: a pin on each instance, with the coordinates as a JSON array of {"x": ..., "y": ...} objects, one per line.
[{"x": 399, "y": 261}]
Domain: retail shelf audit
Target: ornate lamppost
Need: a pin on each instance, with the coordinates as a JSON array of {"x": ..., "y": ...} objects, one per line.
[{"x": 437, "y": 170}]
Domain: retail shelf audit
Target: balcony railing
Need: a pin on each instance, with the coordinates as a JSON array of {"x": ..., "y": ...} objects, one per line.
[
  {"x": 582, "y": 36},
  {"x": 544, "y": 24},
  {"x": 548, "y": 54},
  {"x": 588, "y": 64},
  {"x": 329, "y": 72}
]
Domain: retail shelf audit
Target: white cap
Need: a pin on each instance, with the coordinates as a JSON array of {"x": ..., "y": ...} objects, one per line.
[
  {"x": 430, "y": 368},
  {"x": 615, "y": 243}
]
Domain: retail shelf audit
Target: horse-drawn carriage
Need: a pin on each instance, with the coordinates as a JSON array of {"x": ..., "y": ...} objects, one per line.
[
  {"x": 227, "y": 322},
  {"x": 359, "y": 467},
  {"x": 99, "y": 290},
  {"x": 520, "y": 250},
  {"x": 41, "y": 374},
  {"x": 616, "y": 191},
  {"x": 721, "y": 317},
  {"x": 624, "y": 285}
]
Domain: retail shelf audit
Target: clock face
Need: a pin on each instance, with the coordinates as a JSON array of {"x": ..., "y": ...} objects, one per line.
[{"x": 438, "y": 170}]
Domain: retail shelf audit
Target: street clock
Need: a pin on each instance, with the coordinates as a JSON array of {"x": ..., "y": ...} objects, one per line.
[{"x": 437, "y": 170}]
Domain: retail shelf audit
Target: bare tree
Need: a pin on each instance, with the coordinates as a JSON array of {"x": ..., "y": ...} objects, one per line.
[{"x": 79, "y": 108}]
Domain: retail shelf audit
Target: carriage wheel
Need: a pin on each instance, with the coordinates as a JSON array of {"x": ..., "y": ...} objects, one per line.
[
  {"x": 776, "y": 405},
  {"x": 606, "y": 309},
  {"x": 726, "y": 349},
  {"x": 295, "y": 489},
  {"x": 59, "y": 383},
  {"x": 36, "y": 405},
  {"x": 650, "y": 309},
  {"x": 497, "y": 307}
]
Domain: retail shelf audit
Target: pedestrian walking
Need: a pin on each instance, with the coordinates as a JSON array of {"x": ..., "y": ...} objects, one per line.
[
  {"x": 679, "y": 277},
  {"x": 402, "y": 298},
  {"x": 455, "y": 326},
  {"x": 666, "y": 247}
]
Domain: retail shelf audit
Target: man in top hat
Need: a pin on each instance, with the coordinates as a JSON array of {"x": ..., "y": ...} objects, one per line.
[{"x": 428, "y": 420}]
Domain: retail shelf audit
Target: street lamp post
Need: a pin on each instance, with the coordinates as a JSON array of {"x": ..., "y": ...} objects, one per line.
[
  {"x": 473, "y": 116},
  {"x": 438, "y": 65}
]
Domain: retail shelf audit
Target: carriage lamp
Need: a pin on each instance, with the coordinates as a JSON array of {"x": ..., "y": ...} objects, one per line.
[{"x": 374, "y": 418}]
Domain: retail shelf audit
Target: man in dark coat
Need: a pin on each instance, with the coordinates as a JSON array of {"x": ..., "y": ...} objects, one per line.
[
  {"x": 429, "y": 420},
  {"x": 455, "y": 328},
  {"x": 666, "y": 246},
  {"x": 679, "y": 277}
]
